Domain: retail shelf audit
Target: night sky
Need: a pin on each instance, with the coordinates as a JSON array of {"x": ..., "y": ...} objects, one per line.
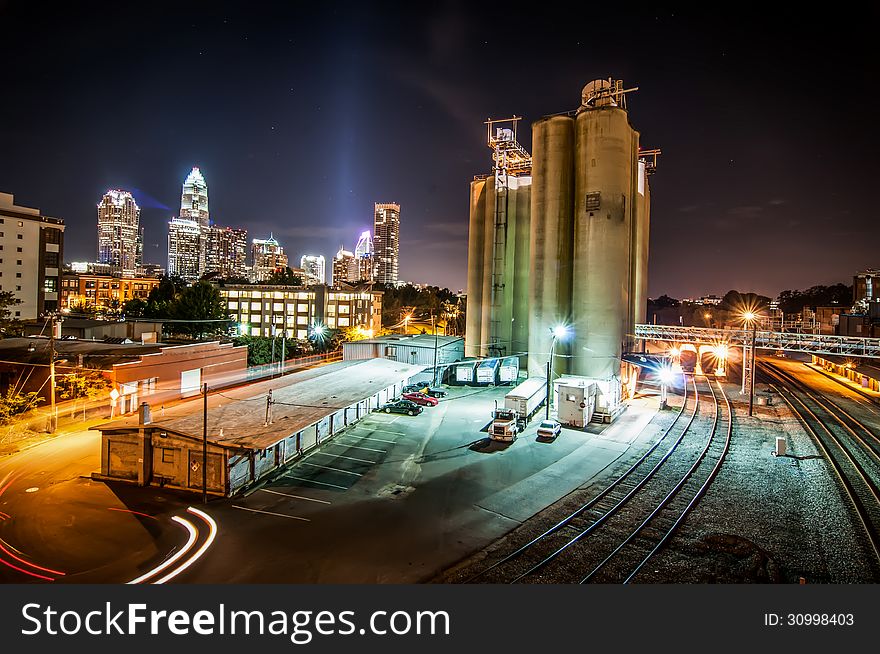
[{"x": 302, "y": 117}]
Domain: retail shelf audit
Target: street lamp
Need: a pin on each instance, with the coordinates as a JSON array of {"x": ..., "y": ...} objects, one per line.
[
  {"x": 750, "y": 318},
  {"x": 559, "y": 332},
  {"x": 666, "y": 378}
]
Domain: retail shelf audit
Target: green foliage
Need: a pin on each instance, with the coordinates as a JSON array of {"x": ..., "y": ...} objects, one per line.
[
  {"x": 87, "y": 383},
  {"x": 422, "y": 302},
  {"x": 14, "y": 403},
  {"x": 9, "y": 326},
  {"x": 260, "y": 348},
  {"x": 815, "y": 296},
  {"x": 284, "y": 277},
  {"x": 201, "y": 301}
]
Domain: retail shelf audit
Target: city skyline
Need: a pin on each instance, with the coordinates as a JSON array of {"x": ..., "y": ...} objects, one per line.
[{"x": 734, "y": 170}]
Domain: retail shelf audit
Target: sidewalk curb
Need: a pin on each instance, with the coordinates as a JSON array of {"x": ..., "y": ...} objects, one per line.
[{"x": 854, "y": 389}]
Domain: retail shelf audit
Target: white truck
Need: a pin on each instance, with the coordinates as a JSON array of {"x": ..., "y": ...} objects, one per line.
[{"x": 520, "y": 404}]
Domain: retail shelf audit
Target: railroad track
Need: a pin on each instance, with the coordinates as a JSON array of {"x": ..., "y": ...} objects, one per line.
[
  {"x": 636, "y": 492},
  {"x": 850, "y": 447}
]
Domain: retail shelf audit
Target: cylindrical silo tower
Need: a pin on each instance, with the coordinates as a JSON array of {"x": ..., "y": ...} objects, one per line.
[
  {"x": 486, "y": 326},
  {"x": 643, "y": 233},
  {"x": 518, "y": 271},
  {"x": 550, "y": 270},
  {"x": 605, "y": 173},
  {"x": 476, "y": 268}
]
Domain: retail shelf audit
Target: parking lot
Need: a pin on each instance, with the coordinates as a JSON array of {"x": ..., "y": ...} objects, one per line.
[{"x": 394, "y": 498}]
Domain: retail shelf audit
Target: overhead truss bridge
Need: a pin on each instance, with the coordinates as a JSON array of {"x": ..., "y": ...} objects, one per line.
[{"x": 848, "y": 346}]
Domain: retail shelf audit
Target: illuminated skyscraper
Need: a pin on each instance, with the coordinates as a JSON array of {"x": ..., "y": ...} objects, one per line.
[
  {"x": 194, "y": 207},
  {"x": 345, "y": 267},
  {"x": 184, "y": 239},
  {"x": 314, "y": 268},
  {"x": 194, "y": 199},
  {"x": 366, "y": 263},
  {"x": 386, "y": 242},
  {"x": 226, "y": 252},
  {"x": 119, "y": 235},
  {"x": 268, "y": 256}
]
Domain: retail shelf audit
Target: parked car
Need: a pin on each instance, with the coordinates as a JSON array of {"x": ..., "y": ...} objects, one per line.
[
  {"x": 549, "y": 429},
  {"x": 421, "y": 398},
  {"x": 415, "y": 388},
  {"x": 402, "y": 406},
  {"x": 435, "y": 391}
]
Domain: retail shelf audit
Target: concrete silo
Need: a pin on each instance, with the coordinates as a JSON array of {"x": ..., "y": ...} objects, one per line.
[
  {"x": 640, "y": 245},
  {"x": 550, "y": 269},
  {"x": 606, "y": 165},
  {"x": 476, "y": 238}
]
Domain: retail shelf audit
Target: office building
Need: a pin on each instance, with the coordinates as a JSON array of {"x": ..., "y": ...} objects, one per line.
[
  {"x": 85, "y": 291},
  {"x": 366, "y": 264},
  {"x": 194, "y": 207},
  {"x": 31, "y": 251},
  {"x": 226, "y": 252},
  {"x": 267, "y": 257},
  {"x": 386, "y": 242},
  {"x": 313, "y": 267},
  {"x": 184, "y": 239},
  {"x": 120, "y": 240},
  {"x": 345, "y": 268},
  {"x": 294, "y": 311}
]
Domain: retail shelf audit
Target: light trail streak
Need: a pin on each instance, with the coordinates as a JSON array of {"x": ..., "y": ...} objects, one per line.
[
  {"x": 212, "y": 534},
  {"x": 193, "y": 536}
]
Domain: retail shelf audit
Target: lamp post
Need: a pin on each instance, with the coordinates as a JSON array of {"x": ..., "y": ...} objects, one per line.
[
  {"x": 558, "y": 332},
  {"x": 750, "y": 318},
  {"x": 434, "y": 327},
  {"x": 665, "y": 378}
]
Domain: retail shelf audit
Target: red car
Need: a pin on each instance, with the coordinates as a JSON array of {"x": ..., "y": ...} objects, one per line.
[{"x": 421, "y": 398}]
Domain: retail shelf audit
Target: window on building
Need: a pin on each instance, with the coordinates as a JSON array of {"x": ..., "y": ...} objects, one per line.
[
  {"x": 19, "y": 250},
  {"x": 18, "y": 262},
  {"x": 19, "y": 237},
  {"x": 18, "y": 275},
  {"x": 50, "y": 285},
  {"x": 167, "y": 455},
  {"x": 343, "y": 322},
  {"x": 52, "y": 235},
  {"x": 344, "y": 308},
  {"x": 52, "y": 259},
  {"x": 20, "y": 224},
  {"x": 302, "y": 320}
]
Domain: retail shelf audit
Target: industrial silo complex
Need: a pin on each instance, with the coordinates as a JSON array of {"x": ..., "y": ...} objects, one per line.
[{"x": 558, "y": 245}]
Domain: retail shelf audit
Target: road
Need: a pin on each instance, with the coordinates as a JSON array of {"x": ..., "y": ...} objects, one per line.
[{"x": 394, "y": 499}]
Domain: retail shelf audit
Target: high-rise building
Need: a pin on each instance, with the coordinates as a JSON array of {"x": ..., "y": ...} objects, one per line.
[
  {"x": 386, "y": 242},
  {"x": 366, "y": 263},
  {"x": 31, "y": 252},
  {"x": 313, "y": 265},
  {"x": 267, "y": 256},
  {"x": 194, "y": 199},
  {"x": 120, "y": 240},
  {"x": 226, "y": 252},
  {"x": 184, "y": 239},
  {"x": 194, "y": 207},
  {"x": 345, "y": 267}
]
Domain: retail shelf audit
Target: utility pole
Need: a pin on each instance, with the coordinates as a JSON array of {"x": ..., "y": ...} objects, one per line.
[
  {"x": 53, "y": 419},
  {"x": 283, "y": 349},
  {"x": 752, "y": 368},
  {"x": 205, "y": 443},
  {"x": 434, "y": 327}
]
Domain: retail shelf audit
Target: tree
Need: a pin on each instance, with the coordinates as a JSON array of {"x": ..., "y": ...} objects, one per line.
[
  {"x": 86, "y": 383},
  {"x": 135, "y": 308},
  {"x": 285, "y": 277},
  {"x": 9, "y": 326},
  {"x": 15, "y": 403},
  {"x": 665, "y": 302},
  {"x": 199, "y": 302}
]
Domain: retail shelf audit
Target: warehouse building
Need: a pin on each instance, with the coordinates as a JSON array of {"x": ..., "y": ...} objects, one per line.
[
  {"x": 251, "y": 431},
  {"x": 416, "y": 350}
]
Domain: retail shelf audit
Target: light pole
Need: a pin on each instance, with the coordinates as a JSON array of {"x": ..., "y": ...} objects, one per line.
[
  {"x": 558, "y": 332},
  {"x": 750, "y": 318},
  {"x": 665, "y": 378},
  {"x": 434, "y": 327}
]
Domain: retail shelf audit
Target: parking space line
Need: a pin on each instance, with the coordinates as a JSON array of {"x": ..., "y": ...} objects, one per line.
[
  {"x": 378, "y": 440},
  {"x": 350, "y": 458},
  {"x": 280, "y": 515},
  {"x": 384, "y": 431},
  {"x": 359, "y": 447},
  {"x": 315, "y": 481},
  {"x": 299, "y": 497},
  {"x": 347, "y": 472}
]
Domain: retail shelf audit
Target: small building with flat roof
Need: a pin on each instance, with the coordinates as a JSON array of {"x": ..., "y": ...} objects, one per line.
[
  {"x": 251, "y": 431},
  {"x": 415, "y": 350}
]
